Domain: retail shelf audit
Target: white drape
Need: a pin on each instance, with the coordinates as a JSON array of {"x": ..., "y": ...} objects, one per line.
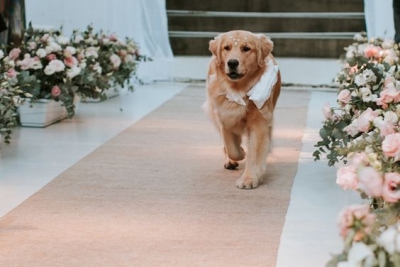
[
  {"x": 145, "y": 21},
  {"x": 379, "y": 18}
]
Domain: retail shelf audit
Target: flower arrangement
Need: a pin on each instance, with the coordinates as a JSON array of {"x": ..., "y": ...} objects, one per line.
[
  {"x": 113, "y": 61},
  {"x": 50, "y": 57},
  {"x": 362, "y": 136},
  {"x": 13, "y": 87},
  {"x": 49, "y": 65}
]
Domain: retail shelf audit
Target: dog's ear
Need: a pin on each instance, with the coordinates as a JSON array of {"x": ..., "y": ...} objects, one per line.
[
  {"x": 264, "y": 48},
  {"x": 215, "y": 49}
]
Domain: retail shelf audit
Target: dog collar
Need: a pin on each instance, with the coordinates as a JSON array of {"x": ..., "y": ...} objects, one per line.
[{"x": 261, "y": 91}]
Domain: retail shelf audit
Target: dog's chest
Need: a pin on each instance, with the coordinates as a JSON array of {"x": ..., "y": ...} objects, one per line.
[{"x": 231, "y": 113}]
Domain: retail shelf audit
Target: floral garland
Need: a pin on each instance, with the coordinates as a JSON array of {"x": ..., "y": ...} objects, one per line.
[{"x": 362, "y": 136}]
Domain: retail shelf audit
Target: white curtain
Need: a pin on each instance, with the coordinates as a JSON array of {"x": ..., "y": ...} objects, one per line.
[
  {"x": 145, "y": 21},
  {"x": 379, "y": 18}
]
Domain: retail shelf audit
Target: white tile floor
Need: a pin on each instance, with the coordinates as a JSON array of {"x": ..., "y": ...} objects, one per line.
[{"x": 36, "y": 156}]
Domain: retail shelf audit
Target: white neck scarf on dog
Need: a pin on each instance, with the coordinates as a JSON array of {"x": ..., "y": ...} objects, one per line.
[{"x": 260, "y": 92}]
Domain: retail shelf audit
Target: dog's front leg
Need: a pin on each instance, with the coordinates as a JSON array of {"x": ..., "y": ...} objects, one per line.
[
  {"x": 233, "y": 151},
  {"x": 256, "y": 162}
]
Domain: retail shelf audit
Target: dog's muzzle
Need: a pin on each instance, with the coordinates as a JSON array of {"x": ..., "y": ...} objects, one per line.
[{"x": 232, "y": 65}]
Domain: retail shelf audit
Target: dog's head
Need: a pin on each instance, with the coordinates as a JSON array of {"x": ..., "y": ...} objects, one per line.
[{"x": 240, "y": 53}]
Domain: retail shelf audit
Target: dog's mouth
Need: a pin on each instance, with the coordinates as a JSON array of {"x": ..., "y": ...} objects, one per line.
[{"x": 233, "y": 75}]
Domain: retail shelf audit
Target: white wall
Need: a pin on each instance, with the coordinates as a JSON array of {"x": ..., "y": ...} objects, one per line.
[{"x": 143, "y": 20}]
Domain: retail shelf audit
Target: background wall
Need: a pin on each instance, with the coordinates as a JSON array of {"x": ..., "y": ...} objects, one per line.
[{"x": 143, "y": 20}]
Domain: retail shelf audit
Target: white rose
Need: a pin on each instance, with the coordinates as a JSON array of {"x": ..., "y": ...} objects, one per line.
[
  {"x": 358, "y": 37},
  {"x": 106, "y": 41},
  {"x": 351, "y": 52},
  {"x": 41, "y": 53},
  {"x": 361, "y": 48},
  {"x": 361, "y": 253},
  {"x": 78, "y": 38},
  {"x": 36, "y": 64},
  {"x": 56, "y": 46},
  {"x": 89, "y": 40},
  {"x": 49, "y": 49},
  {"x": 82, "y": 65},
  {"x": 55, "y": 65},
  {"x": 49, "y": 70},
  {"x": 91, "y": 51},
  {"x": 365, "y": 77},
  {"x": 115, "y": 60},
  {"x": 387, "y": 44},
  {"x": 62, "y": 40},
  {"x": 366, "y": 94},
  {"x": 11, "y": 63},
  {"x": 352, "y": 129},
  {"x": 390, "y": 240},
  {"x": 74, "y": 71},
  {"x": 391, "y": 116},
  {"x": 129, "y": 58},
  {"x": 71, "y": 50},
  {"x": 390, "y": 56},
  {"x": 1, "y": 54},
  {"x": 98, "y": 68}
]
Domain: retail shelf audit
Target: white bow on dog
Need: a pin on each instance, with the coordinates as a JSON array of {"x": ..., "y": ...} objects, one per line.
[{"x": 260, "y": 92}]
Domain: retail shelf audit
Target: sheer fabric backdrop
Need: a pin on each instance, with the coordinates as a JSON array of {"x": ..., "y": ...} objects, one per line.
[
  {"x": 379, "y": 18},
  {"x": 143, "y": 20}
]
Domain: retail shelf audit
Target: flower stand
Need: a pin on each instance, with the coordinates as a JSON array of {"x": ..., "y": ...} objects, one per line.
[{"x": 43, "y": 113}]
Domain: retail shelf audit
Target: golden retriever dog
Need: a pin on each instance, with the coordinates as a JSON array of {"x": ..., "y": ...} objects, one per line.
[{"x": 243, "y": 86}]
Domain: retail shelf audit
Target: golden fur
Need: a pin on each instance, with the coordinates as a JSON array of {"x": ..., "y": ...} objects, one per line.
[{"x": 247, "y": 54}]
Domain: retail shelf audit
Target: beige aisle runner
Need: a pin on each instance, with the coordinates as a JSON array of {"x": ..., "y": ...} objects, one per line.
[{"x": 157, "y": 195}]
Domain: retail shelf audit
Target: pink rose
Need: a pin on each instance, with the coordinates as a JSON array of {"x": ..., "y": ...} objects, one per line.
[
  {"x": 26, "y": 63},
  {"x": 327, "y": 111},
  {"x": 391, "y": 146},
  {"x": 370, "y": 181},
  {"x": 344, "y": 96},
  {"x": 55, "y": 91},
  {"x": 113, "y": 37},
  {"x": 346, "y": 177},
  {"x": 71, "y": 62},
  {"x": 372, "y": 51},
  {"x": 386, "y": 128},
  {"x": 390, "y": 191},
  {"x": 359, "y": 158},
  {"x": 11, "y": 73},
  {"x": 51, "y": 57},
  {"x": 365, "y": 120},
  {"x": 14, "y": 53},
  {"x": 350, "y": 215},
  {"x": 122, "y": 53},
  {"x": 389, "y": 95}
]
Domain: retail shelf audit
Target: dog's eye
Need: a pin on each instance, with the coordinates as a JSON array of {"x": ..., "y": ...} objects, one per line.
[
  {"x": 246, "y": 48},
  {"x": 227, "y": 48}
]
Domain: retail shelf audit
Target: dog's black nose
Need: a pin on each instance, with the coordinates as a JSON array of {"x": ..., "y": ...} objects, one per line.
[{"x": 233, "y": 63}]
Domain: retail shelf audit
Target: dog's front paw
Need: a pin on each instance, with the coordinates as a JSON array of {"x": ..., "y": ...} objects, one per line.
[{"x": 246, "y": 182}]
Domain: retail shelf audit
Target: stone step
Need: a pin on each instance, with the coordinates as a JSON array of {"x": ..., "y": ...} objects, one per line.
[{"x": 298, "y": 28}]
